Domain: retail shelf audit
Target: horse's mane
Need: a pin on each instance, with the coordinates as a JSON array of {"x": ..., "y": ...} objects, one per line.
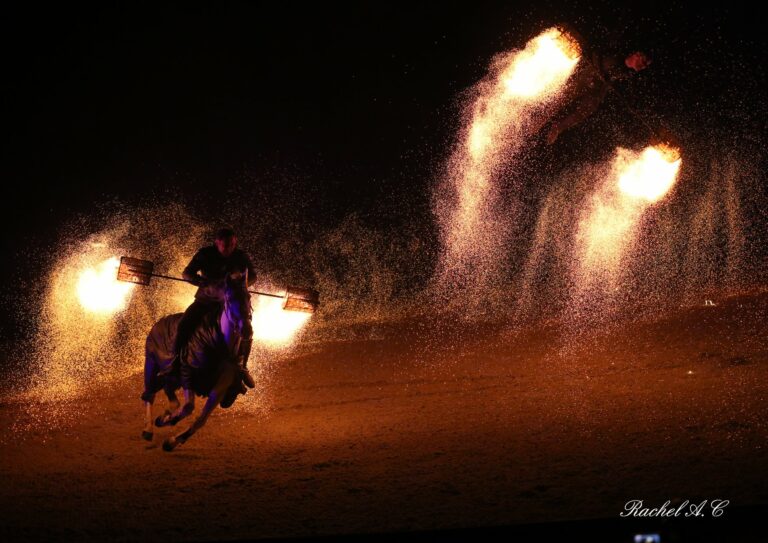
[{"x": 237, "y": 291}]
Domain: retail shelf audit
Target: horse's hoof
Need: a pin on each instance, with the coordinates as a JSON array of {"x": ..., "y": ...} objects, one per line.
[
  {"x": 228, "y": 399},
  {"x": 169, "y": 444},
  {"x": 147, "y": 435},
  {"x": 167, "y": 420},
  {"x": 247, "y": 379}
]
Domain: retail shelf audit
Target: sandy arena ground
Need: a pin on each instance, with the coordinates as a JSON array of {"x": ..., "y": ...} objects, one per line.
[{"x": 415, "y": 426}]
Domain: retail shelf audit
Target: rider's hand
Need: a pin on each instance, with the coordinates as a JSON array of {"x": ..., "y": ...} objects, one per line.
[
  {"x": 200, "y": 281},
  {"x": 552, "y": 134}
]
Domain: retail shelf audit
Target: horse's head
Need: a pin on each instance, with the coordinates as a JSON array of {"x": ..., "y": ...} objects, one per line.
[{"x": 237, "y": 300}]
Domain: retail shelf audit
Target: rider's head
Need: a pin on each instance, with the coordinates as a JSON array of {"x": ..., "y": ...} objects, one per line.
[
  {"x": 637, "y": 60},
  {"x": 226, "y": 241}
]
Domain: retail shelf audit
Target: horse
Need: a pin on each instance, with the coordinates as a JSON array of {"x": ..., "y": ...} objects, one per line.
[{"x": 209, "y": 367}]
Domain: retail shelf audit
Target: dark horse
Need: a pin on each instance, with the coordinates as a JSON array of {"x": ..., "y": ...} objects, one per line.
[{"x": 209, "y": 367}]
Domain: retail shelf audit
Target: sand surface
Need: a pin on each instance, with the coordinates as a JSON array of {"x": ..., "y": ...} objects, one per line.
[{"x": 414, "y": 425}]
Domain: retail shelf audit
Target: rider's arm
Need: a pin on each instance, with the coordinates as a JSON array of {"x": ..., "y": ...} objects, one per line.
[
  {"x": 585, "y": 107},
  {"x": 251, "y": 270},
  {"x": 194, "y": 266}
]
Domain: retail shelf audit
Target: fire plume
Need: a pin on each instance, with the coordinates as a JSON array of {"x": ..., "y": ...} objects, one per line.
[
  {"x": 98, "y": 290},
  {"x": 272, "y": 325}
]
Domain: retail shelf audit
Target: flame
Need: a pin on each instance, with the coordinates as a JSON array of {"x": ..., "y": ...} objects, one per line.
[
  {"x": 546, "y": 62},
  {"x": 274, "y": 326},
  {"x": 99, "y": 291},
  {"x": 652, "y": 175},
  {"x": 530, "y": 75}
]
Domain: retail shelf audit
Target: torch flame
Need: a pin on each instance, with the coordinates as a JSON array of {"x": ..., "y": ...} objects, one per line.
[
  {"x": 274, "y": 326},
  {"x": 99, "y": 291},
  {"x": 538, "y": 70},
  {"x": 651, "y": 175},
  {"x": 546, "y": 62}
]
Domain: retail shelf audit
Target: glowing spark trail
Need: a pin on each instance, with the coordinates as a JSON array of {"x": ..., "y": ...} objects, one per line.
[
  {"x": 637, "y": 180},
  {"x": 497, "y": 124}
]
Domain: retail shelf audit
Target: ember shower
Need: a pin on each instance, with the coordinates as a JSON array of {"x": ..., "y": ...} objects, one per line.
[{"x": 700, "y": 240}]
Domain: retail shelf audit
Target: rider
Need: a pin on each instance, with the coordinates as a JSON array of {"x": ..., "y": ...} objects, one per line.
[
  {"x": 207, "y": 270},
  {"x": 591, "y": 84}
]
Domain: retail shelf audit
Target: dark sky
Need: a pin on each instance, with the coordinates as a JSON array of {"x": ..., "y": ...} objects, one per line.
[{"x": 353, "y": 106}]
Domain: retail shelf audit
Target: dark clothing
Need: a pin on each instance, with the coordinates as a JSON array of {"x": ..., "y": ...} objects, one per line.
[
  {"x": 205, "y": 342},
  {"x": 198, "y": 330},
  {"x": 200, "y": 364},
  {"x": 206, "y": 349},
  {"x": 213, "y": 267},
  {"x": 595, "y": 79},
  {"x": 590, "y": 86},
  {"x": 158, "y": 357},
  {"x": 192, "y": 318},
  {"x": 609, "y": 68}
]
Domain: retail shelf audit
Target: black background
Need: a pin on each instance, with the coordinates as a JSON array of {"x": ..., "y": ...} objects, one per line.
[{"x": 353, "y": 107}]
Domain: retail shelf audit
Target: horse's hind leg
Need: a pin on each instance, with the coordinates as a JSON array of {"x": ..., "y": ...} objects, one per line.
[
  {"x": 173, "y": 401},
  {"x": 172, "y": 418},
  {"x": 214, "y": 398}
]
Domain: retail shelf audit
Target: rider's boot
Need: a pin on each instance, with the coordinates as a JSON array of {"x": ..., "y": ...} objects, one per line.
[{"x": 244, "y": 373}]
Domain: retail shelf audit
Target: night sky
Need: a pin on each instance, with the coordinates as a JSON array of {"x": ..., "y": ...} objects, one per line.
[{"x": 353, "y": 108}]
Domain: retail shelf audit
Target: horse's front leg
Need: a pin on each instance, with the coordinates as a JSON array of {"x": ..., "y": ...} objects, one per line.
[
  {"x": 171, "y": 418},
  {"x": 147, "y": 433}
]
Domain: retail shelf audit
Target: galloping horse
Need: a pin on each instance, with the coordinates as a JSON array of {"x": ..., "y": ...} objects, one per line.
[{"x": 209, "y": 367}]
